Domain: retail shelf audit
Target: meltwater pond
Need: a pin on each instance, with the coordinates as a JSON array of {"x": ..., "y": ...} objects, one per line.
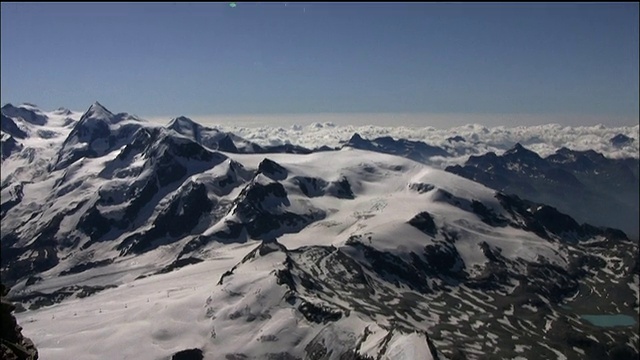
[{"x": 610, "y": 320}]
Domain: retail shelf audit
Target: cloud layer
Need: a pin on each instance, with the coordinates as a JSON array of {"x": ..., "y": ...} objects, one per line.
[{"x": 544, "y": 139}]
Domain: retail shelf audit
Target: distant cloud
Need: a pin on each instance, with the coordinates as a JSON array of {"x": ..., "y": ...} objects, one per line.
[
  {"x": 435, "y": 120},
  {"x": 333, "y": 129}
]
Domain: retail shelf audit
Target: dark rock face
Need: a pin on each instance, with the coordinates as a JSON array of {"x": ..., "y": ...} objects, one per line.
[
  {"x": 13, "y": 345},
  {"x": 357, "y": 141},
  {"x": 94, "y": 224},
  {"x": 257, "y": 206},
  {"x": 545, "y": 220},
  {"x": 42, "y": 253},
  {"x": 441, "y": 260},
  {"x": 272, "y": 170},
  {"x": 424, "y": 222},
  {"x": 9, "y": 146},
  {"x": 142, "y": 139},
  {"x": 554, "y": 221},
  {"x": 10, "y": 127},
  {"x": 487, "y": 215},
  {"x": 252, "y": 200},
  {"x": 226, "y": 144},
  {"x": 525, "y": 157},
  {"x": 584, "y": 184},
  {"x": 318, "y": 314},
  {"x": 189, "y": 354},
  {"x": 341, "y": 189},
  {"x": 179, "y": 219},
  {"x": 185, "y": 211},
  {"x": 311, "y": 187},
  {"x": 315, "y": 187}
]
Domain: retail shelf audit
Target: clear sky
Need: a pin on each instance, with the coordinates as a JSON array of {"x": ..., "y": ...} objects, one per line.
[{"x": 546, "y": 61}]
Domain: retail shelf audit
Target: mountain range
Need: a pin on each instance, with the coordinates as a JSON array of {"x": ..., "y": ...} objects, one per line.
[
  {"x": 585, "y": 184},
  {"x": 151, "y": 241}
]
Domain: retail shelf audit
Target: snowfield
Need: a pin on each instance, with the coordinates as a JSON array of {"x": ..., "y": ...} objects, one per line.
[{"x": 149, "y": 318}]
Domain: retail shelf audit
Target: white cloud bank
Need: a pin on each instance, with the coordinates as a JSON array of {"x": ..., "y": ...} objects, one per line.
[
  {"x": 333, "y": 129},
  {"x": 544, "y": 139}
]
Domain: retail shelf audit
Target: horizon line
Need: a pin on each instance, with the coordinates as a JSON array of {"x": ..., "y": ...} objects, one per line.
[{"x": 406, "y": 119}]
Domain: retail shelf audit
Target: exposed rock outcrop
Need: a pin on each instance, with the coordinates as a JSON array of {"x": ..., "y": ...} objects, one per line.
[{"x": 13, "y": 345}]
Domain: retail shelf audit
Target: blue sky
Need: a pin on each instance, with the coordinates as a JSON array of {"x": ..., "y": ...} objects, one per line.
[{"x": 549, "y": 61}]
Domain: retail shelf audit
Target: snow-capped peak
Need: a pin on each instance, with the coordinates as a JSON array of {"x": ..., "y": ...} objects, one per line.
[
  {"x": 181, "y": 121},
  {"x": 97, "y": 111},
  {"x": 185, "y": 126}
]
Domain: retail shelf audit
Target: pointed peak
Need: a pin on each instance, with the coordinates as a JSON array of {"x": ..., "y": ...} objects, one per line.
[
  {"x": 520, "y": 154},
  {"x": 97, "y": 106},
  {"x": 356, "y": 137},
  {"x": 358, "y": 142},
  {"x": 227, "y": 144},
  {"x": 272, "y": 169},
  {"x": 180, "y": 121},
  {"x": 183, "y": 118},
  {"x": 96, "y": 110},
  {"x": 517, "y": 149}
]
